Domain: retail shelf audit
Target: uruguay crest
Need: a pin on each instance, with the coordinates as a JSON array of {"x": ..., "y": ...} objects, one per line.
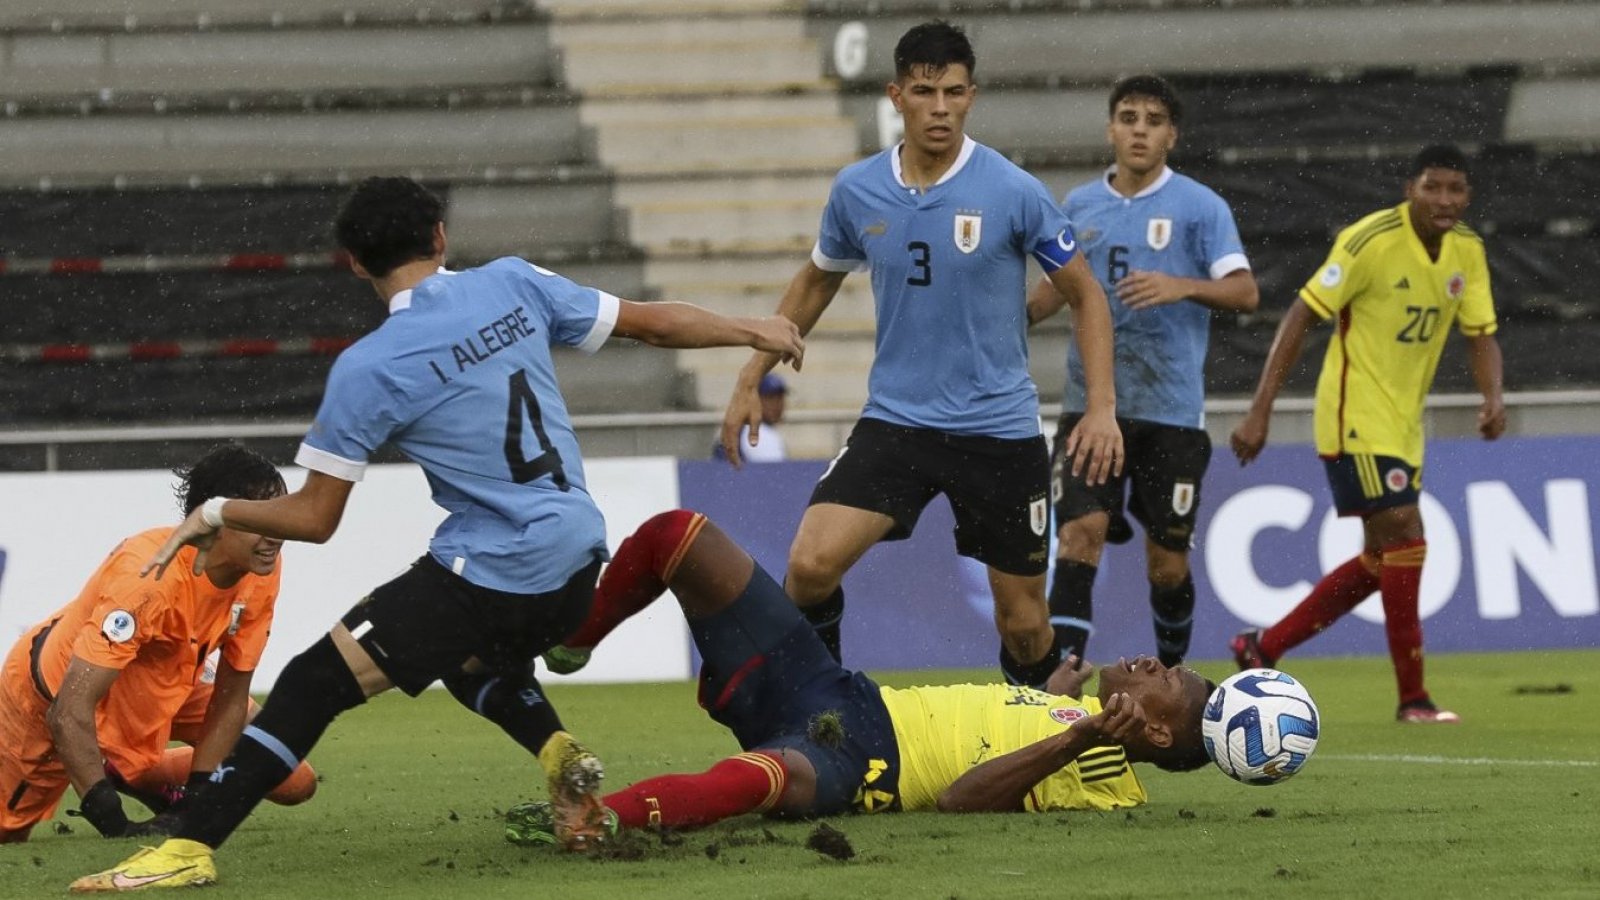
[
  {"x": 1158, "y": 232},
  {"x": 1182, "y": 497},
  {"x": 1038, "y": 515},
  {"x": 969, "y": 230}
]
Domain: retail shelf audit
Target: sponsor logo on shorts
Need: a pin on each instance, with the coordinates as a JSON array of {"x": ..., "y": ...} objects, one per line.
[
  {"x": 1066, "y": 715},
  {"x": 119, "y": 626},
  {"x": 1397, "y": 479}
]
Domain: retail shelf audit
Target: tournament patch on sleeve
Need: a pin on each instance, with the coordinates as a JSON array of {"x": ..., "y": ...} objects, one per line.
[{"x": 119, "y": 626}]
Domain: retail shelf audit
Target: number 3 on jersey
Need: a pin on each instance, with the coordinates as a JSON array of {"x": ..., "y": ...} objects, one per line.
[
  {"x": 548, "y": 462},
  {"x": 921, "y": 264}
]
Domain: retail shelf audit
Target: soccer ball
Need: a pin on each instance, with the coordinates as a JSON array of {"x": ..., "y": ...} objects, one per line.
[{"x": 1260, "y": 726}]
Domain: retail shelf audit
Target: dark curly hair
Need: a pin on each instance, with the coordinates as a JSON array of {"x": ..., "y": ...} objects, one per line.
[
  {"x": 388, "y": 222},
  {"x": 227, "y": 470},
  {"x": 1153, "y": 86}
]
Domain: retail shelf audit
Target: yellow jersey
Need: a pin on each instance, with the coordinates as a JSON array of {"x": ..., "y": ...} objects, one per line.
[
  {"x": 1394, "y": 306},
  {"x": 943, "y": 732}
]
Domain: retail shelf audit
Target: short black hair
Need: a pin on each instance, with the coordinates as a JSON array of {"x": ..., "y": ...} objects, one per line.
[
  {"x": 1441, "y": 156},
  {"x": 227, "y": 470},
  {"x": 1189, "y": 752},
  {"x": 937, "y": 45},
  {"x": 388, "y": 222},
  {"x": 1153, "y": 86}
]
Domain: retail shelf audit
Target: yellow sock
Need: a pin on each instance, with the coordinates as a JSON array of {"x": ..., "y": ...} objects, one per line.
[{"x": 553, "y": 750}]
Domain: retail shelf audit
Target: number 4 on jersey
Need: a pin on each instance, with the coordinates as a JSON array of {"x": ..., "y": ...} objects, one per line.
[{"x": 548, "y": 462}]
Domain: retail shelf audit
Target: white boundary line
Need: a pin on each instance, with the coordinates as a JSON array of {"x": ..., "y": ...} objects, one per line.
[{"x": 1460, "y": 760}]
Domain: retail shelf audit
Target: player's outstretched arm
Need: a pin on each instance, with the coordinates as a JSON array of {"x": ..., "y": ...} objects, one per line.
[
  {"x": 1095, "y": 445},
  {"x": 225, "y": 718},
  {"x": 1251, "y": 435},
  {"x": 689, "y": 327},
  {"x": 808, "y": 295},
  {"x": 1002, "y": 784},
  {"x": 71, "y": 720},
  {"x": 1488, "y": 371},
  {"x": 310, "y": 514}
]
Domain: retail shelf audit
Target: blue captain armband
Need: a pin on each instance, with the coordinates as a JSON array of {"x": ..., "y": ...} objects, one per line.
[{"x": 1056, "y": 252}]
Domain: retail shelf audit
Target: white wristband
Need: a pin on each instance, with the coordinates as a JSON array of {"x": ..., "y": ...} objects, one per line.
[{"x": 211, "y": 511}]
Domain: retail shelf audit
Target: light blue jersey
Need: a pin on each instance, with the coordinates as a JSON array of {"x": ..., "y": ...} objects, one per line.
[
  {"x": 1178, "y": 226},
  {"x": 459, "y": 379},
  {"x": 949, "y": 269}
]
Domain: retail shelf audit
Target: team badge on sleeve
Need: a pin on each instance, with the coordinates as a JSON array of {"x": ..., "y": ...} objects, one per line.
[
  {"x": 118, "y": 626},
  {"x": 234, "y": 615},
  {"x": 1159, "y": 233},
  {"x": 969, "y": 230},
  {"x": 1332, "y": 275}
]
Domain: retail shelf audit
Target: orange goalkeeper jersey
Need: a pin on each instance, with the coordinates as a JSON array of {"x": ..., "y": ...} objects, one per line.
[
  {"x": 157, "y": 631},
  {"x": 1395, "y": 307}
]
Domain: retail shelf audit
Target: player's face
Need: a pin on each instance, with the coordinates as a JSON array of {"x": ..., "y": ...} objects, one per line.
[
  {"x": 246, "y": 552},
  {"x": 934, "y": 103},
  {"x": 1167, "y": 694},
  {"x": 1438, "y": 198},
  {"x": 1141, "y": 133}
]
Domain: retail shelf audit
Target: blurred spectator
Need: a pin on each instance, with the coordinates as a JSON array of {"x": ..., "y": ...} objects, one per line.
[{"x": 774, "y": 393}]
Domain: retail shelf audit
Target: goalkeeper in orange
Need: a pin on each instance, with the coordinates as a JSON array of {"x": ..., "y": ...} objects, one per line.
[
  {"x": 93, "y": 695},
  {"x": 819, "y": 739}
]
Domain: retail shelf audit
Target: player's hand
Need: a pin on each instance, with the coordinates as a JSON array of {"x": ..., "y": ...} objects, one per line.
[
  {"x": 192, "y": 532},
  {"x": 1492, "y": 419},
  {"x": 1069, "y": 678},
  {"x": 779, "y": 334},
  {"x": 1248, "y": 439},
  {"x": 1116, "y": 723},
  {"x": 744, "y": 409},
  {"x": 1095, "y": 446},
  {"x": 1147, "y": 290}
]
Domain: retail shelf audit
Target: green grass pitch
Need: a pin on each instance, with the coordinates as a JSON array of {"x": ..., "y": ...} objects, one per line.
[{"x": 1505, "y": 804}]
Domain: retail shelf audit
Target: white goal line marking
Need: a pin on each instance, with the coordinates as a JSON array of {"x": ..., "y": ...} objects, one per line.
[{"x": 1461, "y": 760}]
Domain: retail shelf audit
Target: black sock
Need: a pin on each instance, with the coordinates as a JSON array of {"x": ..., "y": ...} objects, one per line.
[
  {"x": 516, "y": 703},
  {"x": 313, "y": 690},
  {"x": 825, "y": 618},
  {"x": 1072, "y": 605},
  {"x": 1173, "y": 612},
  {"x": 1033, "y": 674}
]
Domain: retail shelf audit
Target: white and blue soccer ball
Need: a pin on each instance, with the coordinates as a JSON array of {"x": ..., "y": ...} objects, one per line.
[{"x": 1260, "y": 726}]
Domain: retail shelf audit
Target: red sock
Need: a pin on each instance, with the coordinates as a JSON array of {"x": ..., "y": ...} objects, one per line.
[
  {"x": 1402, "y": 581},
  {"x": 749, "y": 782},
  {"x": 638, "y": 573},
  {"x": 1337, "y": 593}
]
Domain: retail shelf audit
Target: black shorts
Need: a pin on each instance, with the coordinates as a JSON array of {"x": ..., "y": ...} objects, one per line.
[
  {"x": 996, "y": 486},
  {"x": 1364, "y": 484},
  {"x": 767, "y": 677},
  {"x": 428, "y": 622},
  {"x": 1161, "y": 476}
]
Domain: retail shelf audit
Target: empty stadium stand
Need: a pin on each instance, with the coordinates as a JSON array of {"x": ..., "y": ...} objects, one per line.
[{"x": 168, "y": 169}]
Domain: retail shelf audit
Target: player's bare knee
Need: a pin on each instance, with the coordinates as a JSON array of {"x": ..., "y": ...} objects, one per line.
[
  {"x": 1083, "y": 539},
  {"x": 800, "y": 785},
  {"x": 811, "y": 576},
  {"x": 1165, "y": 568}
]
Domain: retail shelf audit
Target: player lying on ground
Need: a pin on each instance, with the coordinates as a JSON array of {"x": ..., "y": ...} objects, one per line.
[
  {"x": 93, "y": 694},
  {"x": 820, "y": 739}
]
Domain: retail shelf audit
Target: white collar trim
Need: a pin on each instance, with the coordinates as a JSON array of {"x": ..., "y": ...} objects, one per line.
[
  {"x": 968, "y": 146},
  {"x": 1158, "y": 184},
  {"x": 402, "y": 300}
]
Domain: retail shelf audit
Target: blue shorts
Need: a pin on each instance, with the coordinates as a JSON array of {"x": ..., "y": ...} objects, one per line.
[
  {"x": 767, "y": 677},
  {"x": 1364, "y": 484}
]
